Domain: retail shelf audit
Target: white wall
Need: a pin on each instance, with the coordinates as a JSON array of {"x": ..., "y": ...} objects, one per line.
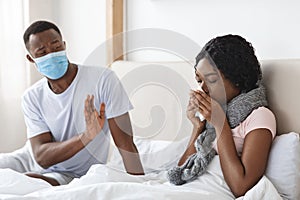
[
  {"x": 13, "y": 79},
  {"x": 82, "y": 23},
  {"x": 83, "y": 27},
  {"x": 272, "y": 26}
]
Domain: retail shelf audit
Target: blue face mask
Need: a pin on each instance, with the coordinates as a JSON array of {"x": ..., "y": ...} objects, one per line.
[{"x": 53, "y": 65}]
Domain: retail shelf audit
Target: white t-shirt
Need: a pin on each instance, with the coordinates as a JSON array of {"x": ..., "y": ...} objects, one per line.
[{"x": 63, "y": 114}]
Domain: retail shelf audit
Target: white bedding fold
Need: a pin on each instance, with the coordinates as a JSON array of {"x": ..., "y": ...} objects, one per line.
[
  {"x": 105, "y": 182},
  {"x": 15, "y": 183},
  {"x": 263, "y": 190}
]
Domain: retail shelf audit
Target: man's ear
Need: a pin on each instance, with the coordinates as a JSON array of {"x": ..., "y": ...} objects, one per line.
[{"x": 29, "y": 58}]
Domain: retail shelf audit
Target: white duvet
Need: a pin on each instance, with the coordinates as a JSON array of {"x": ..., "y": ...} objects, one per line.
[{"x": 106, "y": 182}]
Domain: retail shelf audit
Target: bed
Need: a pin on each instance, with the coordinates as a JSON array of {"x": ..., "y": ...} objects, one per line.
[{"x": 162, "y": 132}]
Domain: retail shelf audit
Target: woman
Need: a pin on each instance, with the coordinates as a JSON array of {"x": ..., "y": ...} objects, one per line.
[{"x": 233, "y": 103}]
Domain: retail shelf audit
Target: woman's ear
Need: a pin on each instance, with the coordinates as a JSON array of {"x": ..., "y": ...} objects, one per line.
[{"x": 29, "y": 58}]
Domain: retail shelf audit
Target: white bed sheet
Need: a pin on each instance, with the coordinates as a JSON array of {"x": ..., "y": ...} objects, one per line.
[{"x": 106, "y": 182}]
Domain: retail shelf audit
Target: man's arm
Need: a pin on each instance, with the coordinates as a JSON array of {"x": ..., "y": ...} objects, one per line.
[
  {"x": 48, "y": 153},
  {"x": 121, "y": 130}
]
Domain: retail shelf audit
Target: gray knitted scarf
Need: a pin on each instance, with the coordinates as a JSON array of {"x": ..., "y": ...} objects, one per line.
[{"x": 237, "y": 111}]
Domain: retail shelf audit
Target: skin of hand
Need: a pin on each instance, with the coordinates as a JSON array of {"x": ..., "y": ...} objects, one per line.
[
  {"x": 192, "y": 108},
  {"x": 121, "y": 131},
  {"x": 198, "y": 126},
  {"x": 94, "y": 120},
  {"x": 210, "y": 109}
]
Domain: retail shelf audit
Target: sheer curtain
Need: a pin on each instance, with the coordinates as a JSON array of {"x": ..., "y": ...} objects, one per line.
[{"x": 14, "y": 75}]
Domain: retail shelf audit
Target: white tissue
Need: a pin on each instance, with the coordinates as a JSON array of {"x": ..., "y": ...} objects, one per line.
[{"x": 198, "y": 114}]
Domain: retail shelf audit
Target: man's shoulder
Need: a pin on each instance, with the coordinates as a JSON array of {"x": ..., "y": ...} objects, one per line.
[
  {"x": 36, "y": 88},
  {"x": 95, "y": 71}
]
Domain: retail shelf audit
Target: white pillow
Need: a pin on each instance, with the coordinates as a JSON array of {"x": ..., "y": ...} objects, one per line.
[
  {"x": 284, "y": 165},
  {"x": 156, "y": 155}
]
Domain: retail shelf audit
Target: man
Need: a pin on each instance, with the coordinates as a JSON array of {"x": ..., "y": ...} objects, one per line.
[{"x": 65, "y": 129}]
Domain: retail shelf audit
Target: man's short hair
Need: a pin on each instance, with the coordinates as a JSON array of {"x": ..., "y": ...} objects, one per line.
[{"x": 37, "y": 27}]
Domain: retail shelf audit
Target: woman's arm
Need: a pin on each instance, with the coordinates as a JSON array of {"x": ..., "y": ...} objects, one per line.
[
  {"x": 198, "y": 127},
  {"x": 240, "y": 173},
  {"x": 191, "y": 148}
]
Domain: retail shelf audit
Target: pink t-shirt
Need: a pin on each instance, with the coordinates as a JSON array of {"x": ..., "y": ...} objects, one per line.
[{"x": 259, "y": 118}]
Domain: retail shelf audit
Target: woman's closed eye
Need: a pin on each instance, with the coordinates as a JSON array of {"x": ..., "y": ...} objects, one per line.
[
  {"x": 208, "y": 80},
  {"x": 212, "y": 80}
]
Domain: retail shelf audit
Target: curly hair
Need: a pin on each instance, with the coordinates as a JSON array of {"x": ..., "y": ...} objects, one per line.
[
  {"x": 234, "y": 57},
  {"x": 37, "y": 27}
]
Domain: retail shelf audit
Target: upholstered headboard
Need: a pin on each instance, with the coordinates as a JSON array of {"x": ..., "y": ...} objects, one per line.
[
  {"x": 159, "y": 93},
  {"x": 282, "y": 79}
]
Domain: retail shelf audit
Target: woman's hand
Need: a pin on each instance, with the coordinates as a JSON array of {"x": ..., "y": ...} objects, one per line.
[
  {"x": 192, "y": 108},
  {"x": 94, "y": 120},
  {"x": 210, "y": 109}
]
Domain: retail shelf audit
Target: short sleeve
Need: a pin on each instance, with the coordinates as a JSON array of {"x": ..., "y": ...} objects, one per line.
[
  {"x": 33, "y": 119},
  {"x": 261, "y": 118},
  {"x": 114, "y": 96}
]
